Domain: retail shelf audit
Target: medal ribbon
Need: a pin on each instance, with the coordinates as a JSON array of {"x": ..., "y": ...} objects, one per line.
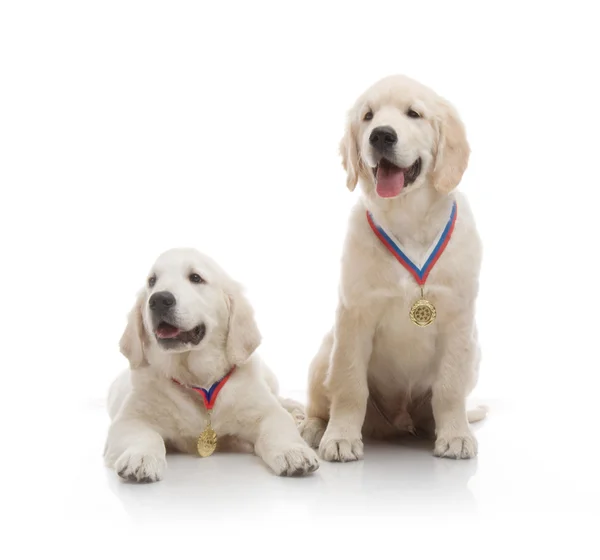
[
  {"x": 419, "y": 274},
  {"x": 209, "y": 396}
]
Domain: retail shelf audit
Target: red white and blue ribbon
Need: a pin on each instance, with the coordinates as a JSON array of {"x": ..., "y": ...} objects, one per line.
[
  {"x": 420, "y": 273},
  {"x": 209, "y": 396}
]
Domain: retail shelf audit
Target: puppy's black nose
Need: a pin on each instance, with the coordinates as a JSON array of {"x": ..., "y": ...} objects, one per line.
[
  {"x": 383, "y": 137},
  {"x": 161, "y": 301}
]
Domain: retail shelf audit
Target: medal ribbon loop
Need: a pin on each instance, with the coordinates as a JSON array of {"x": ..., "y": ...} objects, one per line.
[
  {"x": 209, "y": 396},
  {"x": 420, "y": 274}
]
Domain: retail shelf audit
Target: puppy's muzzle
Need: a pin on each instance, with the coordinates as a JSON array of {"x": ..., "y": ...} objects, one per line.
[{"x": 383, "y": 138}]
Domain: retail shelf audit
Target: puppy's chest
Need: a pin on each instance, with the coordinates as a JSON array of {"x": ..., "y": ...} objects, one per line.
[
  {"x": 388, "y": 283},
  {"x": 192, "y": 417},
  {"x": 399, "y": 344}
]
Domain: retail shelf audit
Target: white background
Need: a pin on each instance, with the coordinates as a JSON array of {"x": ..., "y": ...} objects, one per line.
[{"x": 127, "y": 128}]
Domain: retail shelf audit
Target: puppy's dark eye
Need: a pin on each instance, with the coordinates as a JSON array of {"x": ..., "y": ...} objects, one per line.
[
  {"x": 151, "y": 281},
  {"x": 368, "y": 116},
  {"x": 195, "y": 278},
  {"x": 413, "y": 114}
]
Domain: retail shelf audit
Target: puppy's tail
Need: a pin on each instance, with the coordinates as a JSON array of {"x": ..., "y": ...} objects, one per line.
[{"x": 477, "y": 414}]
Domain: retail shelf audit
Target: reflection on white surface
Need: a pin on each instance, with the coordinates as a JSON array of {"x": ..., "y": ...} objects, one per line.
[
  {"x": 511, "y": 475},
  {"x": 391, "y": 478}
]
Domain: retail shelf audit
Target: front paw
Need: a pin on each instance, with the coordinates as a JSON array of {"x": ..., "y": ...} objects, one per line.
[
  {"x": 335, "y": 447},
  {"x": 137, "y": 466},
  {"x": 298, "y": 460},
  {"x": 456, "y": 446}
]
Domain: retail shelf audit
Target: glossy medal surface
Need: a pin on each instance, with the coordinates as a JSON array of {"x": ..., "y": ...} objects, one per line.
[
  {"x": 207, "y": 442},
  {"x": 422, "y": 313}
]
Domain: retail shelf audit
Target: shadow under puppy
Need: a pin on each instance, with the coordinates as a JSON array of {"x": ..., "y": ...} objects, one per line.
[{"x": 190, "y": 341}]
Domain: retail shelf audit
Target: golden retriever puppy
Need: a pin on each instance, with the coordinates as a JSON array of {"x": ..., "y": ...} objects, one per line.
[
  {"x": 190, "y": 341},
  {"x": 403, "y": 354}
]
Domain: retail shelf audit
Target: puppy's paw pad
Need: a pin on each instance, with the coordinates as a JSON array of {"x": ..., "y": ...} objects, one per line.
[
  {"x": 137, "y": 466},
  {"x": 295, "y": 461},
  {"x": 341, "y": 450},
  {"x": 457, "y": 447},
  {"x": 312, "y": 430}
]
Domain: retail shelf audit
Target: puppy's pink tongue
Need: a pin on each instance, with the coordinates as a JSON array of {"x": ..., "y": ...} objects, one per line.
[
  {"x": 390, "y": 181},
  {"x": 167, "y": 331}
]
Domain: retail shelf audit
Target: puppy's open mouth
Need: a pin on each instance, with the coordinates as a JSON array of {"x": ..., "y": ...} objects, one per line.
[
  {"x": 391, "y": 179},
  {"x": 168, "y": 334}
]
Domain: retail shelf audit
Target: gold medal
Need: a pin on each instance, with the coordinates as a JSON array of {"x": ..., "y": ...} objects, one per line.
[
  {"x": 207, "y": 442},
  {"x": 422, "y": 313}
]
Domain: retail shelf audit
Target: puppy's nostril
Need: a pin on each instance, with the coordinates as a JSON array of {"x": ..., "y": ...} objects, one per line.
[
  {"x": 161, "y": 300},
  {"x": 383, "y": 137}
]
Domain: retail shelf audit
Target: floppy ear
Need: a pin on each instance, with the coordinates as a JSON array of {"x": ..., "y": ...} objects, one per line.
[
  {"x": 349, "y": 153},
  {"x": 134, "y": 337},
  {"x": 243, "y": 336},
  {"x": 453, "y": 152}
]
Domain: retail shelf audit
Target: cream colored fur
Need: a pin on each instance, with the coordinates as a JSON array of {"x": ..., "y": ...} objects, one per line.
[
  {"x": 150, "y": 413},
  {"x": 376, "y": 373}
]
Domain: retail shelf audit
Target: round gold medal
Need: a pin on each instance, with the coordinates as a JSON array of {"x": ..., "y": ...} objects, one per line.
[
  {"x": 422, "y": 313},
  {"x": 207, "y": 442}
]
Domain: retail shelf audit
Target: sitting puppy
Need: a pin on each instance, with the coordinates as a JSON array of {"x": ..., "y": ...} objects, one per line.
[
  {"x": 190, "y": 342},
  {"x": 403, "y": 354}
]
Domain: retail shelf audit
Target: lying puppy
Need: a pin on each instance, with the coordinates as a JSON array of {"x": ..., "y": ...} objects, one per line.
[
  {"x": 403, "y": 353},
  {"x": 190, "y": 342}
]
